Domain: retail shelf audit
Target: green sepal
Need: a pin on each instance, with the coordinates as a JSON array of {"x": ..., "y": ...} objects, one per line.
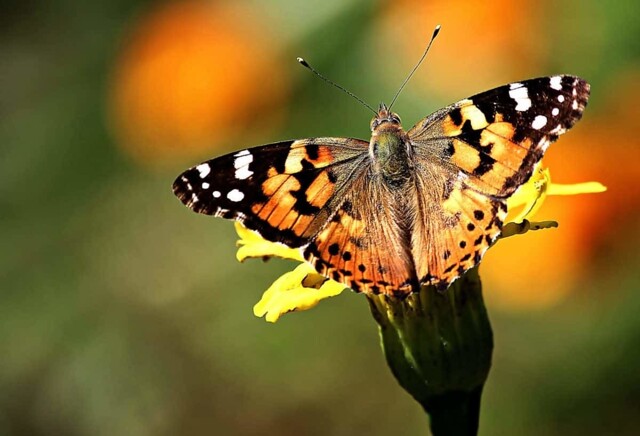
[{"x": 438, "y": 345}]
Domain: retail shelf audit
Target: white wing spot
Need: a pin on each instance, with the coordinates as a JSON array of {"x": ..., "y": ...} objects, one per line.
[
  {"x": 555, "y": 111},
  {"x": 556, "y": 83},
  {"x": 561, "y": 98},
  {"x": 515, "y": 85},
  {"x": 216, "y": 194},
  {"x": 539, "y": 122},
  {"x": 204, "y": 170},
  {"x": 235, "y": 195},
  {"x": 194, "y": 198},
  {"x": 243, "y": 173},
  {"x": 241, "y": 164},
  {"x": 574, "y": 105},
  {"x": 558, "y": 130},
  {"x": 521, "y": 96},
  {"x": 205, "y": 185}
]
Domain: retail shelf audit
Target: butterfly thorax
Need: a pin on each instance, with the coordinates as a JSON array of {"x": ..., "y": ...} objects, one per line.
[{"x": 389, "y": 147}]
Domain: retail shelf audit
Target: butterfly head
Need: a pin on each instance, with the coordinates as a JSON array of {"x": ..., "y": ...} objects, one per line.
[{"x": 385, "y": 119}]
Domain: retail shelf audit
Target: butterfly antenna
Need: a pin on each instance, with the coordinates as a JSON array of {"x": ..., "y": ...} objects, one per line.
[
  {"x": 435, "y": 33},
  {"x": 313, "y": 70}
]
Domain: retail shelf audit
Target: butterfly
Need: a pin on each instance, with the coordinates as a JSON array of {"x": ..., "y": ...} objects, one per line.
[{"x": 406, "y": 208}]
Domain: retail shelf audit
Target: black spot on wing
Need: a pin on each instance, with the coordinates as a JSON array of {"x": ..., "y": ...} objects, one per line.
[
  {"x": 302, "y": 205},
  {"x": 486, "y": 162},
  {"x": 334, "y": 249},
  {"x": 347, "y": 208},
  {"x": 470, "y": 135},
  {"x": 456, "y": 116},
  {"x": 312, "y": 150},
  {"x": 488, "y": 108}
]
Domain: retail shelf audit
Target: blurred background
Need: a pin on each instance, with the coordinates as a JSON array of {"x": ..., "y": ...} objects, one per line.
[{"x": 122, "y": 312}]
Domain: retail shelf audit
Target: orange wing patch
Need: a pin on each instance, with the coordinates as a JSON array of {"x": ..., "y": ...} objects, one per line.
[
  {"x": 465, "y": 156},
  {"x": 296, "y": 194},
  {"x": 486, "y": 151},
  {"x": 320, "y": 190},
  {"x": 447, "y": 244},
  {"x": 305, "y": 153},
  {"x": 278, "y": 189}
]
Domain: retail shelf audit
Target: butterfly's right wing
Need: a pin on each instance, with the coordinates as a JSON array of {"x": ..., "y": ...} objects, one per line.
[
  {"x": 471, "y": 156},
  {"x": 495, "y": 138}
]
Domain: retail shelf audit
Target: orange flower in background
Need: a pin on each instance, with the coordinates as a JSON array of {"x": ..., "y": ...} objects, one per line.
[
  {"x": 193, "y": 74},
  {"x": 473, "y": 34},
  {"x": 482, "y": 45}
]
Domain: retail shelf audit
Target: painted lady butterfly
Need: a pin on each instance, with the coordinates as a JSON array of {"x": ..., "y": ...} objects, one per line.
[{"x": 405, "y": 209}]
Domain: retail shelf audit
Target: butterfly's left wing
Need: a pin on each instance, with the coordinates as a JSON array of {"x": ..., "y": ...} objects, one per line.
[
  {"x": 285, "y": 191},
  {"x": 317, "y": 194},
  {"x": 471, "y": 156}
]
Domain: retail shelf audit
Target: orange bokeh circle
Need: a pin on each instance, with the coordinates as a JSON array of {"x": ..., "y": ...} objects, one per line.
[{"x": 193, "y": 74}]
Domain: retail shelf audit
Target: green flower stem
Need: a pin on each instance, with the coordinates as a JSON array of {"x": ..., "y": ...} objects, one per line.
[{"x": 438, "y": 346}]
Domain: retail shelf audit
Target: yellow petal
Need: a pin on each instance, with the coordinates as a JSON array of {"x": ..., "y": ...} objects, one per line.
[
  {"x": 252, "y": 245},
  {"x": 576, "y": 188},
  {"x": 528, "y": 199},
  {"x": 300, "y": 289}
]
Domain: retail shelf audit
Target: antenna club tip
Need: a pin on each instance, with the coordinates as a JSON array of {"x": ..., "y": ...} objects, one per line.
[
  {"x": 436, "y": 30},
  {"x": 302, "y": 61}
]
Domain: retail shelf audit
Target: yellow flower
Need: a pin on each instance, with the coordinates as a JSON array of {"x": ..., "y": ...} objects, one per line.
[
  {"x": 303, "y": 288},
  {"x": 529, "y": 197}
]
